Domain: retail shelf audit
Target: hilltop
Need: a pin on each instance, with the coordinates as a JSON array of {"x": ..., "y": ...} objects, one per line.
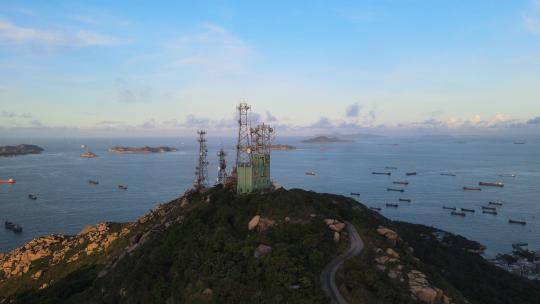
[{"x": 218, "y": 247}]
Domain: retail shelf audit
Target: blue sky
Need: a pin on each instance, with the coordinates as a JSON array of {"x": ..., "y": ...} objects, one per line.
[{"x": 114, "y": 68}]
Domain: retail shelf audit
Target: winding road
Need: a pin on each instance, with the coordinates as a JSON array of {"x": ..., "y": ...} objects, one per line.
[{"x": 328, "y": 275}]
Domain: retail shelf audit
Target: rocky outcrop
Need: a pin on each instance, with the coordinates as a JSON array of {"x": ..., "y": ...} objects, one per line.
[
  {"x": 388, "y": 233},
  {"x": 260, "y": 223},
  {"x": 422, "y": 290},
  {"x": 254, "y": 222},
  {"x": 335, "y": 226}
]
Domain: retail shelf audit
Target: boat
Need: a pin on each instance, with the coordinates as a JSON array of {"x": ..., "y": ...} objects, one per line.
[
  {"x": 375, "y": 208},
  {"x": 32, "y": 196},
  {"x": 89, "y": 155},
  {"x": 472, "y": 189},
  {"x": 491, "y": 184},
  {"x": 391, "y": 168},
  {"x": 496, "y": 203},
  {"x": 93, "y": 182},
  {"x": 448, "y": 174},
  {"x": 410, "y": 173},
  {"x": 458, "y": 213},
  {"x": 489, "y": 208},
  {"x": 394, "y": 189},
  {"x": 511, "y": 221},
  {"x": 13, "y": 227},
  {"x": 401, "y": 183},
  {"x": 519, "y": 143},
  {"x": 83, "y": 146},
  {"x": 310, "y": 173},
  {"x": 355, "y": 193},
  {"x": 381, "y": 173},
  {"x": 489, "y": 212},
  {"x": 391, "y": 205},
  {"x": 7, "y": 181},
  {"x": 467, "y": 210},
  {"x": 122, "y": 187},
  {"x": 408, "y": 200},
  {"x": 449, "y": 208},
  {"x": 507, "y": 175}
]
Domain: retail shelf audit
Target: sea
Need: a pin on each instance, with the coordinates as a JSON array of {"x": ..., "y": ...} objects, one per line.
[{"x": 67, "y": 202}]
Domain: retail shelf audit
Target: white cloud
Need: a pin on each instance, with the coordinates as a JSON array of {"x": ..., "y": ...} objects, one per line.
[
  {"x": 13, "y": 34},
  {"x": 213, "y": 49},
  {"x": 531, "y": 19}
]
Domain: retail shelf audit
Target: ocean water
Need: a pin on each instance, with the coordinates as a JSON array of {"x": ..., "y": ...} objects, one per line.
[{"x": 67, "y": 202}]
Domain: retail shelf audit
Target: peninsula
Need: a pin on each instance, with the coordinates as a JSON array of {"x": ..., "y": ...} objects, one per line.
[
  {"x": 326, "y": 140},
  {"x": 142, "y": 150},
  {"x": 283, "y": 246},
  {"x": 20, "y": 150}
]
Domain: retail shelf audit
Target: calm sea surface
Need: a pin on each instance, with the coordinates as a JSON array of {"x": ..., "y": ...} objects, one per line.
[{"x": 67, "y": 202}]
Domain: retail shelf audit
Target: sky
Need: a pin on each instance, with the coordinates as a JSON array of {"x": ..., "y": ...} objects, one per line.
[{"x": 167, "y": 68}]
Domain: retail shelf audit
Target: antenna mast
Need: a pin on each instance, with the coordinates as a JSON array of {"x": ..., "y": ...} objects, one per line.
[
  {"x": 243, "y": 146},
  {"x": 222, "y": 172},
  {"x": 201, "y": 171}
]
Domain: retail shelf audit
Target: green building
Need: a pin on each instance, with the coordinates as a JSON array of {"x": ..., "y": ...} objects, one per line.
[{"x": 254, "y": 176}]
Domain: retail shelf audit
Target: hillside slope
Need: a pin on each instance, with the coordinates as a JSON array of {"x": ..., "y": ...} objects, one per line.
[{"x": 217, "y": 247}]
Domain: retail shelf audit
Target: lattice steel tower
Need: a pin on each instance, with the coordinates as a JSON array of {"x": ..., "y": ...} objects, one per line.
[
  {"x": 201, "y": 171},
  {"x": 243, "y": 146},
  {"x": 222, "y": 167}
]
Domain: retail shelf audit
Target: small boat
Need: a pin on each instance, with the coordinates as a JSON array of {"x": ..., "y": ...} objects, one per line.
[
  {"x": 13, "y": 227},
  {"x": 310, "y": 173},
  {"x": 449, "y": 208},
  {"x": 401, "y": 183},
  {"x": 467, "y": 210},
  {"x": 355, "y": 193},
  {"x": 507, "y": 175},
  {"x": 394, "y": 189},
  {"x": 472, "y": 189},
  {"x": 496, "y": 203},
  {"x": 448, "y": 174},
  {"x": 83, "y": 146},
  {"x": 32, "y": 196},
  {"x": 489, "y": 212},
  {"x": 408, "y": 200},
  {"x": 375, "y": 208},
  {"x": 391, "y": 168},
  {"x": 410, "y": 173},
  {"x": 489, "y": 208},
  {"x": 381, "y": 173},
  {"x": 93, "y": 182},
  {"x": 122, "y": 187},
  {"x": 491, "y": 184},
  {"x": 457, "y": 213},
  {"x": 511, "y": 221},
  {"x": 7, "y": 181},
  {"x": 392, "y": 205}
]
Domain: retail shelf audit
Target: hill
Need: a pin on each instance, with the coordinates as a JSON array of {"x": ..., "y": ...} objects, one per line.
[{"x": 217, "y": 247}]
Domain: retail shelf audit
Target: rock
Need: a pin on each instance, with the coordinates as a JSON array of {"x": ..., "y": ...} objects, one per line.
[
  {"x": 262, "y": 250},
  {"x": 329, "y": 221},
  {"x": 381, "y": 260},
  {"x": 446, "y": 300},
  {"x": 43, "y": 286},
  {"x": 392, "y": 253},
  {"x": 312, "y": 215},
  {"x": 90, "y": 248},
  {"x": 254, "y": 222},
  {"x": 184, "y": 203},
  {"x": 208, "y": 292},
  {"x": 336, "y": 237},
  {"x": 101, "y": 227},
  {"x": 37, "y": 275},
  {"x": 426, "y": 295},
  {"x": 337, "y": 227},
  {"x": 264, "y": 224},
  {"x": 388, "y": 233}
]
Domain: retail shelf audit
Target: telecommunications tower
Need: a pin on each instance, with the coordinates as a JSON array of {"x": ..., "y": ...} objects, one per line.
[
  {"x": 201, "y": 171},
  {"x": 222, "y": 167}
]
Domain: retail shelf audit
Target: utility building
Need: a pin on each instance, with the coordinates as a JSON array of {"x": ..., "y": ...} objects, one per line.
[{"x": 252, "y": 154}]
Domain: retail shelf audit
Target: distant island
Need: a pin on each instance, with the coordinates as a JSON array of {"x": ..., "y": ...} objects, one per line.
[
  {"x": 283, "y": 147},
  {"x": 89, "y": 155},
  {"x": 143, "y": 150},
  {"x": 326, "y": 140},
  {"x": 23, "y": 149}
]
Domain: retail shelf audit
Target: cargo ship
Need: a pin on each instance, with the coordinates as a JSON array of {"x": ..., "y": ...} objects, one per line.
[
  {"x": 457, "y": 213},
  {"x": 448, "y": 174},
  {"x": 496, "y": 203},
  {"x": 511, "y": 221},
  {"x": 410, "y": 173},
  {"x": 491, "y": 184},
  {"x": 394, "y": 189},
  {"x": 408, "y": 200},
  {"x": 401, "y": 183},
  {"x": 310, "y": 173},
  {"x": 391, "y": 205},
  {"x": 13, "y": 227},
  {"x": 467, "y": 210},
  {"x": 472, "y": 189},
  {"x": 381, "y": 173},
  {"x": 449, "y": 208},
  {"x": 355, "y": 193},
  {"x": 489, "y": 208},
  {"x": 93, "y": 182},
  {"x": 489, "y": 212},
  {"x": 7, "y": 181},
  {"x": 507, "y": 175},
  {"x": 391, "y": 168}
]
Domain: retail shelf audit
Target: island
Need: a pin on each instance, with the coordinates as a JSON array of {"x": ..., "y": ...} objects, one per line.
[
  {"x": 283, "y": 147},
  {"x": 22, "y": 149},
  {"x": 88, "y": 155},
  {"x": 143, "y": 150},
  {"x": 326, "y": 140}
]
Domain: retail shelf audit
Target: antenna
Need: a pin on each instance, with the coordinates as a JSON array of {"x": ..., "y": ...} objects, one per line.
[
  {"x": 222, "y": 167},
  {"x": 201, "y": 171},
  {"x": 243, "y": 146}
]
